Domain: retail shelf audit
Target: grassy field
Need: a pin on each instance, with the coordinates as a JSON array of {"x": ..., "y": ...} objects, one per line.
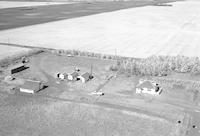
[
  {"x": 27, "y": 117},
  {"x": 9, "y": 51},
  {"x": 67, "y": 109},
  {"x": 133, "y": 32}
]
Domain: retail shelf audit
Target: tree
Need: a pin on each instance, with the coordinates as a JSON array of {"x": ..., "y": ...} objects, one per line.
[{"x": 196, "y": 69}]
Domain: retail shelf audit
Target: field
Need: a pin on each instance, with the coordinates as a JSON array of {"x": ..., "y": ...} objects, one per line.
[
  {"x": 31, "y": 15},
  {"x": 134, "y": 32},
  {"x": 62, "y": 118},
  {"x": 14, "y": 4},
  {"x": 133, "y": 29},
  {"x": 9, "y": 51}
]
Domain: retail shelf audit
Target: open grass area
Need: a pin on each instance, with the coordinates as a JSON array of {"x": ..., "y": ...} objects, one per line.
[
  {"x": 66, "y": 108},
  {"x": 61, "y": 118},
  {"x": 9, "y": 51}
]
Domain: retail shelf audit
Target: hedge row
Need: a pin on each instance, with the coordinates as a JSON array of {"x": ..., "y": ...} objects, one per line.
[
  {"x": 185, "y": 84},
  {"x": 154, "y": 65}
]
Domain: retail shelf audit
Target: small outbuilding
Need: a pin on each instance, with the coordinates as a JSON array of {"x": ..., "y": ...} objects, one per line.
[
  {"x": 73, "y": 76},
  {"x": 148, "y": 87},
  {"x": 62, "y": 76},
  {"x": 24, "y": 60},
  {"x": 85, "y": 77},
  {"x": 31, "y": 86},
  {"x": 17, "y": 68}
]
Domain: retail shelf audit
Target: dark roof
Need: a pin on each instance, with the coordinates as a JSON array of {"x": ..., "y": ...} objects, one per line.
[
  {"x": 86, "y": 75},
  {"x": 31, "y": 85},
  {"x": 74, "y": 74},
  {"x": 65, "y": 74},
  {"x": 146, "y": 84}
]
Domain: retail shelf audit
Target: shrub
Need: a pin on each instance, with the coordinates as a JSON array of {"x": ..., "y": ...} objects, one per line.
[
  {"x": 196, "y": 69},
  {"x": 113, "y": 68}
]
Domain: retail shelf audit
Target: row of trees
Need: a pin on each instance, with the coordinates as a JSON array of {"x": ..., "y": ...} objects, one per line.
[
  {"x": 88, "y": 54},
  {"x": 154, "y": 65},
  {"x": 178, "y": 83},
  {"x": 161, "y": 65}
]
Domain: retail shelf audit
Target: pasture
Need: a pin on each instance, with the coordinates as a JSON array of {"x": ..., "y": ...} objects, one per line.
[
  {"x": 67, "y": 109},
  {"x": 10, "y": 51}
]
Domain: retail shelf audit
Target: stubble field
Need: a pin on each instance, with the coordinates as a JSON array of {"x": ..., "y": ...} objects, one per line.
[
  {"x": 133, "y": 32},
  {"x": 14, "y": 4}
]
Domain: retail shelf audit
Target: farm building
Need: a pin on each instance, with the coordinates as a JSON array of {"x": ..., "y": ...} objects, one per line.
[
  {"x": 17, "y": 68},
  {"x": 73, "y": 76},
  {"x": 148, "y": 87},
  {"x": 31, "y": 86},
  {"x": 84, "y": 77},
  {"x": 62, "y": 76}
]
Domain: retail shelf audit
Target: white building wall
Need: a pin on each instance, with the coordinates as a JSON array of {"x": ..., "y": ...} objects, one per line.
[
  {"x": 26, "y": 90},
  {"x": 70, "y": 77},
  {"x": 138, "y": 90}
]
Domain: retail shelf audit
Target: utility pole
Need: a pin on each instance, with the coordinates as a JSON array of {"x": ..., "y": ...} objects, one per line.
[
  {"x": 131, "y": 68},
  {"x": 115, "y": 53},
  {"x": 91, "y": 68}
]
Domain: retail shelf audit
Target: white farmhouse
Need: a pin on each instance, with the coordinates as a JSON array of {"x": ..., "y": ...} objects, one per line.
[
  {"x": 84, "y": 77},
  {"x": 73, "y": 76},
  {"x": 62, "y": 76},
  {"x": 148, "y": 87}
]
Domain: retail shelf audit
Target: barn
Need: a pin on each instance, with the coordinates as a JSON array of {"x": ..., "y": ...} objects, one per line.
[
  {"x": 17, "y": 68},
  {"x": 84, "y": 77},
  {"x": 73, "y": 76},
  {"x": 31, "y": 86}
]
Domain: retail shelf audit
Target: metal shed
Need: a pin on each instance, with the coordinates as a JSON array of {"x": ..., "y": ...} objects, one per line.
[
  {"x": 31, "y": 86},
  {"x": 17, "y": 68}
]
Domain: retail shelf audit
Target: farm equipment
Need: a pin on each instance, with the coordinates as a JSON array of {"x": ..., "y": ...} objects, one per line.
[{"x": 96, "y": 93}]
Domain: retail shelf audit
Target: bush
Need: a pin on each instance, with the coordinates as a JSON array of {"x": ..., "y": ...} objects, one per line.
[
  {"x": 178, "y": 83},
  {"x": 113, "y": 68},
  {"x": 196, "y": 69}
]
